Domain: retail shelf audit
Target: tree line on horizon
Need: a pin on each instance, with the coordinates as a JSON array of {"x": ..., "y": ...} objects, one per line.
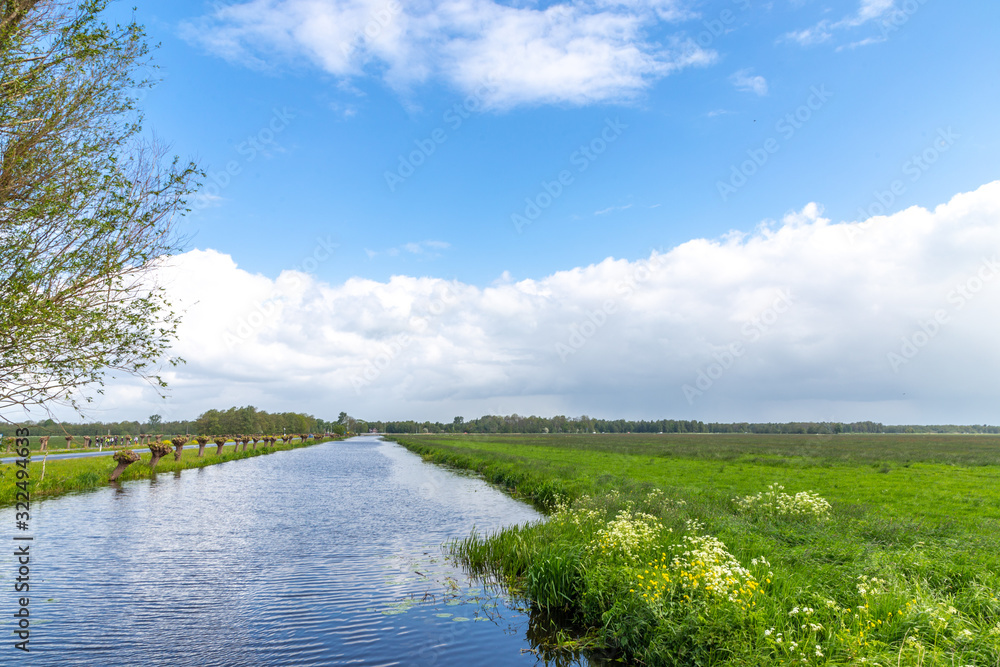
[
  {"x": 210, "y": 423},
  {"x": 584, "y": 424},
  {"x": 249, "y": 419}
]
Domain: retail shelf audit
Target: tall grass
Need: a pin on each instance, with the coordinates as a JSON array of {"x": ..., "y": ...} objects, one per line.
[{"x": 715, "y": 568}]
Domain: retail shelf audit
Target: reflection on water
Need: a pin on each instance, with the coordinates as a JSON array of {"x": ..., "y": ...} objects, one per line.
[{"x": 325, "y": 555}]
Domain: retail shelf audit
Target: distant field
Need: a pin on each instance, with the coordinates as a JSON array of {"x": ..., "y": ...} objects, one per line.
[
  {"x": 951, "y": 449},
  {"x": 952, "y": 478},
  {"x": 919, "y": 513}
]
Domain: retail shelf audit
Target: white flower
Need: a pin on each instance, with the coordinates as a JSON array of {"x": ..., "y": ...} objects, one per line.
[
  {"x": 628, "y": 534},
  {"x": 776, "y": 501}
]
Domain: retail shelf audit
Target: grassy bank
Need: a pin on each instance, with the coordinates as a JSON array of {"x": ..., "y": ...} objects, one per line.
[
  {"x": 676, "y": 550},
  {"x": 84, "y": 474}
]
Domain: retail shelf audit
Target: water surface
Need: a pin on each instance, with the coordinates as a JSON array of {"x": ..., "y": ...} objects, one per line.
[{"x": 326, "y": 555}]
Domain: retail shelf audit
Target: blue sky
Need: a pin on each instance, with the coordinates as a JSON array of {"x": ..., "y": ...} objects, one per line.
[
  {"x": 324, "y": 175},
  {"x": 707, "y": 124}
]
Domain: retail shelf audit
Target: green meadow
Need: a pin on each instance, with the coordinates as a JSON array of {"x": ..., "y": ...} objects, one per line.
[
  {"x": 84, "y": 474},
  {"x": 750, "y": 550}
]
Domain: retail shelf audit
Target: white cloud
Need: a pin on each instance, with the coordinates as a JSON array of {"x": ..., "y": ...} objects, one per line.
[
  {"x": 426, "y": 249},
  {"x": 871, "y": 10},
  {"x": 432, "y": 348},
  {"x": 611, "y": 209},
  {"x": 746, "y": 82},
  {"x": 868, "y": 41},
  {"x": 817, "y": 34},
  {"x": 823, "y": 31},
  {"x": 575, "y": 51}
]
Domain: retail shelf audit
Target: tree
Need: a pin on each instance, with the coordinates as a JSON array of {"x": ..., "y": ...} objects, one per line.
[
  {"x": 124, "y": 459},
  {"x": 154, "y": 422},
  {"x": 87, "y": 206},
  {"x": 158, "y": 450},
  {"x": 178, "y": 443},
  {"x": 209, "y": 423}
]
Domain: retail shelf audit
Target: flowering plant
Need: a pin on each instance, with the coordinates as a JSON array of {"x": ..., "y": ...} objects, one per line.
[{"x": 776, "y": 502}]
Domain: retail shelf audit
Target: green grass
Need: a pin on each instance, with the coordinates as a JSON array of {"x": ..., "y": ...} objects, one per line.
[
  {"x": 921, "y": 514},
  {"x": 57, "y": 445},
  {"x": 84, "y": 474}
]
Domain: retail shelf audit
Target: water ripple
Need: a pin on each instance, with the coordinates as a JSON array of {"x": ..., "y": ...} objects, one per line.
[{"x": 327, "y": 555}]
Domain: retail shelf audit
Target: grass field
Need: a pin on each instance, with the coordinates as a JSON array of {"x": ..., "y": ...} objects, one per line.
[
  {"x": 84, "y": 474},
  {"x": 676, "y": 550}
]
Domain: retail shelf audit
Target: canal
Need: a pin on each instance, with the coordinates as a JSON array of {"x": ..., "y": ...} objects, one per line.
[{"x": 325, "y": 555}]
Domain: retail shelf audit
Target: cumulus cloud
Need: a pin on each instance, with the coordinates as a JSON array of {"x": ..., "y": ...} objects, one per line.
[
  {"x": 575, "y": 51},
  {"x": 745, "y": 81},
  {"x": 892, "y": 318}
]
